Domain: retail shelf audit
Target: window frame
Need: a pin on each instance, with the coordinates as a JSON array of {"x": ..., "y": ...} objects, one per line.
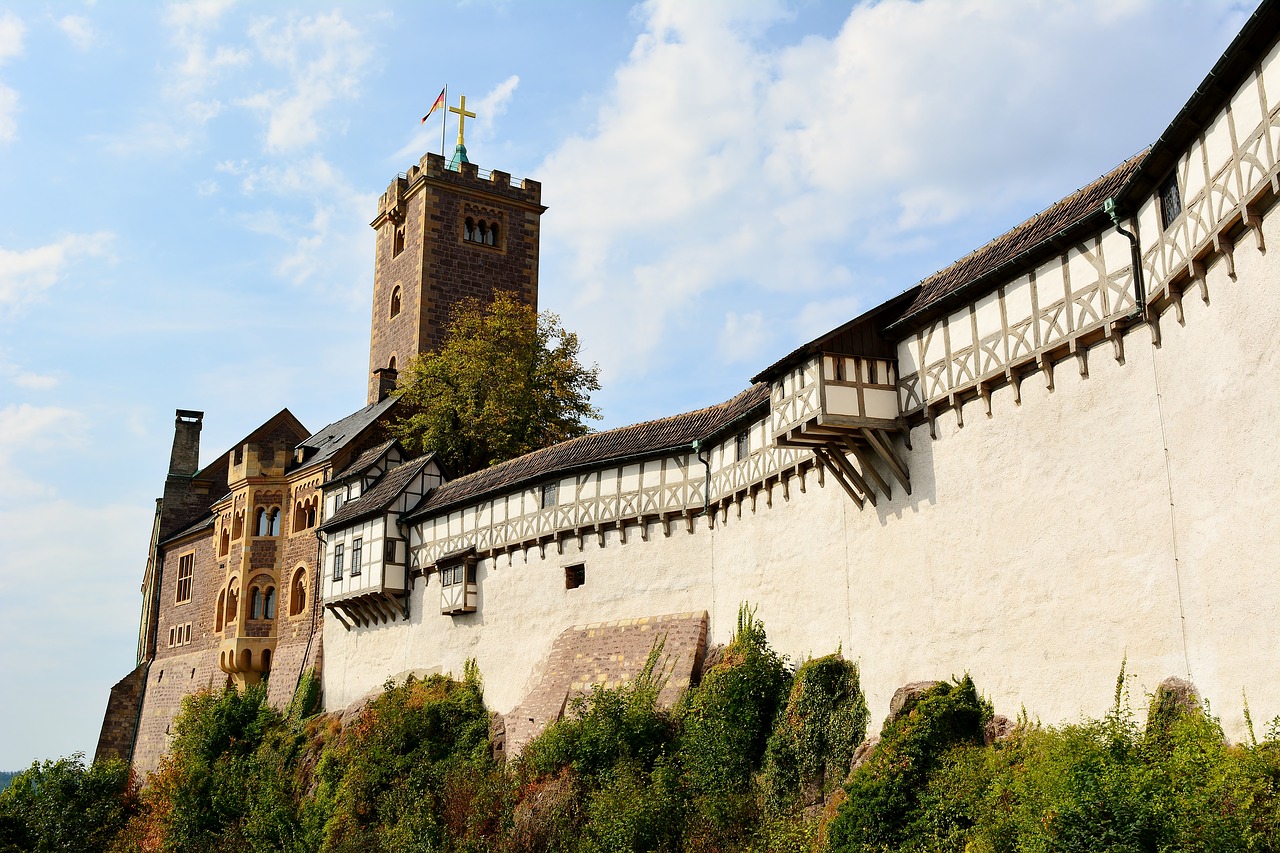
[
  {"x": 357, "y": 549},
  {"x": 186, "y": 563},
  {"x": 337, "y": 561}
]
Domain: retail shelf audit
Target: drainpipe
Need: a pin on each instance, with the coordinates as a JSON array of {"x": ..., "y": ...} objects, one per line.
[
  {"x": 1139, "y": 285},
  {"x": 706, "y": 463}
]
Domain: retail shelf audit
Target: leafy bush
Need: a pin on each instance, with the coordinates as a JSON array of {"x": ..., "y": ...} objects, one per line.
[
  {"x": 388, "y": 781},
  {"x": 882, "y": 809},
  {"x": 64, "y": 805},
  {"x": 813, "y": 742}
]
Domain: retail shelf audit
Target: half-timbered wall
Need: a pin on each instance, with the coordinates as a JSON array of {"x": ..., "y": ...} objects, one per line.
[
  {"x": 1062, "y": 307},
  {"x": 1221, "y": 178},
  {"x": 666, "y": 490}
]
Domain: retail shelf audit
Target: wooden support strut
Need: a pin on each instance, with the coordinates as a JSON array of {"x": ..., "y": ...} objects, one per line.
[
  {"x": 883, "y": 445},
  {"x": 868, "y": 469},
  {"x": 837, "y": 456},
  {"x": 827, "y": 465}
]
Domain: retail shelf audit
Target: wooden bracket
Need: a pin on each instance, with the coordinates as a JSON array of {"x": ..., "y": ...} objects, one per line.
[
  {"x": 1014, "y": 378},
  {"x": 823, "y": 457},
  {"x": 1220, "y": 244},
  {"x": 1116, "y": 334},
  {"x": 868, "y": 470},
  {"x": 984, "y": 391},
  {"x": 1046, "y": 367},
  {"x": 1253, "y": 221}
]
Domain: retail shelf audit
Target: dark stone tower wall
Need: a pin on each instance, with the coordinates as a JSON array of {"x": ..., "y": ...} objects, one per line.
[
  {"x": 185, "y": 498},
  {"x": 425, "y": 211}
]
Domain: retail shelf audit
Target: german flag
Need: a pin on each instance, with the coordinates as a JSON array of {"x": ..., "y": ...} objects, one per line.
[{"x": 437, "y": 105}]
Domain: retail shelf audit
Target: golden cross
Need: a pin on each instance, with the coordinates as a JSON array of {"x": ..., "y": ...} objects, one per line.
[{"x": 461, "y": 112}]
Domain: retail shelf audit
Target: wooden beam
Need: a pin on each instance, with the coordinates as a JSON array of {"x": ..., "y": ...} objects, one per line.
[
  {"x": 851, "y": 473},
  {"x": 827, "y": 465},
  {"x": 883, "y": 446},
  {"x": 868, "y": 469}
]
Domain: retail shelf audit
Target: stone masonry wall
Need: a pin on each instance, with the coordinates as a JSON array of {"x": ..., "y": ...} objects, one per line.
[
  {"x": 608, "y": 654},
  {"x": 119, "y": 723}
]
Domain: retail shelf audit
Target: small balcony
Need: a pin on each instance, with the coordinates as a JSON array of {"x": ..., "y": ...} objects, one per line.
[
  {"x": 845, "y": 409},
  {"x": 245, "y": 659}
]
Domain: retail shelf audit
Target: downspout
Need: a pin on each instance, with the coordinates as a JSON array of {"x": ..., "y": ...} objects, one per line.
[
  {"x": 706, "y": 463},
  {"x": 1139, "y": 285}
]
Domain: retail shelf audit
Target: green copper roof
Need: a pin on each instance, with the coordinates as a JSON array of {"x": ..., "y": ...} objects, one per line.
[{"x": 459, "y": 157}]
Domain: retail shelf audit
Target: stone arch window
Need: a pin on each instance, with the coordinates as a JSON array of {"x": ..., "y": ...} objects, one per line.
[
  {"x": 469, "y": 232},
  {"x": 266, "y": 660},
  {"x": 260, "y": 522},
  {"x": 233, "y": 602},
  {"x": 313, "y": 506},
  {"x": 397, "y": 241},
  {"x": 395, "y": 300},
  {"x": 391, "y": 363},
  {"x": 273, "y": 522},
  {"x": 491, "y": 236},
  {"x": 299, "y": 517},
  {"x": 269, "y": 603},
  {"x": 298, "y": 592},
  {"x": 237, "y": 525},
  {"x": 246, "y": 660},
  {"x": 222, "y": 606},
  {"x": 224, "y": 545},
  {"x": 255, "y": 603}
]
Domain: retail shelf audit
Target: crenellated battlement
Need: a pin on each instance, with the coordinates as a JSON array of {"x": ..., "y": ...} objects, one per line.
[{"x": 469, "y": 178}]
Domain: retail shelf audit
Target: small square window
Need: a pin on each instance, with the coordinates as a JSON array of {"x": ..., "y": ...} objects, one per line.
[
  {"x": 550, "y": 494},
  {"x": 575, "y": 576},
  {"x": 743, "y": 443}
]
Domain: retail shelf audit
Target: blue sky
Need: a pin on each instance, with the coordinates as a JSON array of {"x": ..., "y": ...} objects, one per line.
[{"x": 185, "y": 191}]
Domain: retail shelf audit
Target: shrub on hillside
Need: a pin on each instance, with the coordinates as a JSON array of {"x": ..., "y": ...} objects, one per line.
[
  {"x": 725, "y": 725},
  {"x": 64, "y": 805},
  {"x": 882, "y": 806},
  {"x": 392, "y": 780},
  {"x": 825, "y": 719}
]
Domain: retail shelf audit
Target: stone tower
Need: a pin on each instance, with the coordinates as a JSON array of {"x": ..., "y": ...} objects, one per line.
[{"x": 443, "y": 236}]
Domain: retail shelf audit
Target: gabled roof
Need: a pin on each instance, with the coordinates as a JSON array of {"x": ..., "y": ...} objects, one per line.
[
  {"x": 383, "y": 493},
  {"x": 327, "y": 442},
  {"x": 1047, "y": 233},
  {"x": 364, "y": 461},
  {"x": 641, "y": 440},
  {"x": 198, "y": 526}
]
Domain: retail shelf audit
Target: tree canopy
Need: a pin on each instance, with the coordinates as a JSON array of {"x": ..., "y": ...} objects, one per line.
[{"x": 506, "y": 381}]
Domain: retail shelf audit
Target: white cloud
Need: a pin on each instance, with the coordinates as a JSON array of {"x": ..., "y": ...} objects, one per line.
[
  {"x": 78, "y": 30},
  {"x": 324, "y": 58},
  {"x": 743, "y": 337},
  {"x": 27, "y": 429},
  {"x": 202, "y": 65},
  {"x": 765, "y": 172},
  {"x": 11, "y": 33},
  {"x": 25, "y": 274}
]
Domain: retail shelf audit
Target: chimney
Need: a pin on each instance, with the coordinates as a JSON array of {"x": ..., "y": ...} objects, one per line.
[
  {"x": 386, "y": 377},
  {"x": 184, "y": 461}
]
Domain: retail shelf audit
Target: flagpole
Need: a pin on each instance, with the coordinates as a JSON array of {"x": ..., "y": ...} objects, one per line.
[{"x": 444, "y": 116}]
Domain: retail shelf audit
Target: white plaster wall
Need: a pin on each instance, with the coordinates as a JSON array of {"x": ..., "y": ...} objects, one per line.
[
  {"x": 1039, "y": 549},
  {"x": 1036, "y": 551}
]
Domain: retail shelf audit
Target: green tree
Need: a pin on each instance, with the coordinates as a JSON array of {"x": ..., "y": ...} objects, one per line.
[
  {"x": 64, "y": 805},
  {"x": 506, "y": 381}
]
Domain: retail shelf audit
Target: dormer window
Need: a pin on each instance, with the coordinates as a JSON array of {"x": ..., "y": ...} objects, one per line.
[{"x": 1170, "y": 200}]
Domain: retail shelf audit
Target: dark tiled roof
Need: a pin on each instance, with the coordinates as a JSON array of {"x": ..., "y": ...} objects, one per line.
[
  {"x": 381, "y": 496},
  {"x": 364, "y": 460},
  {"x": 1008, "y": 249},
  {"x": 203, "y": 523},
  {"x": 643, "y": 439},
  {"x": 336, "y": 435}
]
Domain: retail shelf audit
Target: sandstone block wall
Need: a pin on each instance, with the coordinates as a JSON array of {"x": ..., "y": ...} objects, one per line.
[{"x": 120, "y": 722}]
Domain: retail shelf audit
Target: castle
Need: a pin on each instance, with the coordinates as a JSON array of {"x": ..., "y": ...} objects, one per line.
[{"x": 1055, "y": 455}]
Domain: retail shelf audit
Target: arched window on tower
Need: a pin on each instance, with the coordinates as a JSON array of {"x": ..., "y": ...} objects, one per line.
[
  {"x": 274, "y": 525},
  {"x": 392, "y": 363},
  {"x": 491, "y": 238},
  {"x": 255, "y": 603},
  {"x": 237, "y": 525},
  {"x": 395, "y": 300},
  {"x": 222, "y": 606},
  {"x": 469, "y": 230},
  {"x": 311, "y": 511},
  {"x": 269, "y": 603},
  {"x": 260, "y": 523},
  {"x": 224, "y": 546},
  {"x": 233, "y": 602},
  {"x": 397, "y": 241},
  {"x": 298, "y": 592}
]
